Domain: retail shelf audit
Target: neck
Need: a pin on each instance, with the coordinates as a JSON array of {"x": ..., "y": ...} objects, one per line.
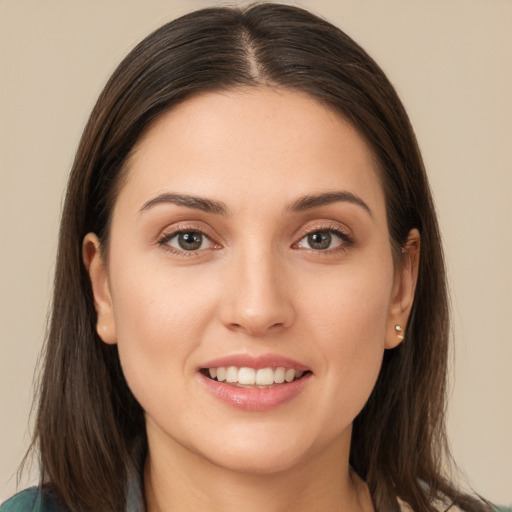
[{"x": 181, "y": 481}]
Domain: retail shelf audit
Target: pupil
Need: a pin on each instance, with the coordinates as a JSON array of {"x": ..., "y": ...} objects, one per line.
[
  {"x": 190, "y": 241},
  {"x": 319, "y": 240}
]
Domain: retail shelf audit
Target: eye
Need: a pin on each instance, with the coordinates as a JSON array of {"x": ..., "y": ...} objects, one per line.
[
  {"x": 187, "y": 241},
  {"x": 323, "y": 240}
]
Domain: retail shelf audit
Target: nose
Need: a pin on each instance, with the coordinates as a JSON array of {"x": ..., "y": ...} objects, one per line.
[{"x": 258, "y": 296}]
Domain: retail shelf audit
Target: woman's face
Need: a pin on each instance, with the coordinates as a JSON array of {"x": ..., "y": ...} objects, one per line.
[{"x": 250, "y": 233}]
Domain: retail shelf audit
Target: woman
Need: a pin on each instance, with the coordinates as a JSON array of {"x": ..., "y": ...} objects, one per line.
[{"x": 241, "y": 316}]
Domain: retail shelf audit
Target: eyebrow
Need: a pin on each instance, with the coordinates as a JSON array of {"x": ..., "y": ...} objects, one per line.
[
  {"x": 302, "y": 204},
  {"x": 198, "y": 203},
  {"x": 314, "y": 201}
]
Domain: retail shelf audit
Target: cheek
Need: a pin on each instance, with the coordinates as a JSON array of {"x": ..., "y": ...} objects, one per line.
[
  {"x": 349, "y": 305},
  {"x": 349, "y": 324},
  {"x": 159, "y": 318}
]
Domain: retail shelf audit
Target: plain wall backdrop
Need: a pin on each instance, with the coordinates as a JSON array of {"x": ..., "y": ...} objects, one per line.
[{"x": 451, "y": 62}]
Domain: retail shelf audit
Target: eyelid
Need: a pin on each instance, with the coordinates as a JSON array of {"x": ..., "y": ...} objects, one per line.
[
  {"x": 324, "y": 225},
  {"x": 339, "y": 230},
  {"x": 174, "y": 230}
]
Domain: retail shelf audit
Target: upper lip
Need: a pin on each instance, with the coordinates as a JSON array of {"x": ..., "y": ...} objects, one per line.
[{"x": 256, "y": 362}]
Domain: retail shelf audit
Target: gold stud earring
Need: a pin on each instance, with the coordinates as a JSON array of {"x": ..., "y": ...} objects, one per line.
[{"x": 399, "y": 333}]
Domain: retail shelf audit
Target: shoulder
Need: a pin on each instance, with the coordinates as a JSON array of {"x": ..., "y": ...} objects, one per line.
[
  {"x": 26, "y": 500},
  {"x": 33, "y": 499}
]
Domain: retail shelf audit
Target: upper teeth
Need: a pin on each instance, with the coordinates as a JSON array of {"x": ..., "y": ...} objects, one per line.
[{"x": 250, "y": 376}]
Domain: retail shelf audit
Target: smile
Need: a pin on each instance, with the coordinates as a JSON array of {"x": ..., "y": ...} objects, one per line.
[
  {"x": 262, "y": 378},
  {"x": 254, "y": 383}
]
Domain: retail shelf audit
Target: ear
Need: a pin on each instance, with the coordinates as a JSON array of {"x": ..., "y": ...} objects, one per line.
[
  {"x": 406, "y": 276},
  {"x": 95, "y": 266}
]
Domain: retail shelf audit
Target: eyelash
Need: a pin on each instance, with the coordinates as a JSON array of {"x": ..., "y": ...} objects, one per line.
[
  {"x": 346, "y": 239},
  {"x": 163, "y": 241}
]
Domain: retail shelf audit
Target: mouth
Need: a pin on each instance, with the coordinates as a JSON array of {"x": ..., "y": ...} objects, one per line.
[
  {"x": 255, "y": 383},
  {"x": 254, "y": 378}
]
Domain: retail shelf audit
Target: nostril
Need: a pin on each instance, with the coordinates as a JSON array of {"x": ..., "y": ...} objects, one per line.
[{"x": 255, "y": 329}]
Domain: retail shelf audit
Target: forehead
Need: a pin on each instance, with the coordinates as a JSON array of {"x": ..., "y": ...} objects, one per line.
[{"x": 248, "y": 144}]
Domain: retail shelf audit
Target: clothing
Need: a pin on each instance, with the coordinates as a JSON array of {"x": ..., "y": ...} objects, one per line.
[
  {"x": 32, "y": 500},
  {"x": 35, "y": 500}
]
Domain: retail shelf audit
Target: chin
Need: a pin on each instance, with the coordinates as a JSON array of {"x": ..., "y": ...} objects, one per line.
[
  {"x": 255, "y": 461},
  {"x": 266, "y": 450}
]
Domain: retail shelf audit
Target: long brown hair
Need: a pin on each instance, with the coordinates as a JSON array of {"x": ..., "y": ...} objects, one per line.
[{"x": 89, "y": 426}]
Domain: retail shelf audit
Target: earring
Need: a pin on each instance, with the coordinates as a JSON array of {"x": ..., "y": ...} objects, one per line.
[{"x": 399, "y": 333}]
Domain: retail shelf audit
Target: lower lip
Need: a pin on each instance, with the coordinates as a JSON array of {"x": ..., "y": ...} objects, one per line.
[{"x": 254, "y": 399}]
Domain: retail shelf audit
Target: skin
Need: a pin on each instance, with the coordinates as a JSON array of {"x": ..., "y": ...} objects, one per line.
[{"x": 256, "y": 286}]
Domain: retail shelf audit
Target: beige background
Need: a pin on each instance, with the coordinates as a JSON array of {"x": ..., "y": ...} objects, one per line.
[{"x": 451, "y": 61}]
